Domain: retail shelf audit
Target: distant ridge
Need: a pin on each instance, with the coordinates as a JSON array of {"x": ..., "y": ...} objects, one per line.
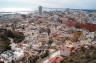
[
  {"x": 52, "y": 9},
  {"x": 88, "y": 10},
  {"x": 62, "y": 9}
]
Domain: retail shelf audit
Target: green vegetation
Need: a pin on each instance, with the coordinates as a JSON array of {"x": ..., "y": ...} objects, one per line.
[
  {"x": 5, "y": 41},
  {"x": 16, "y": 36}
]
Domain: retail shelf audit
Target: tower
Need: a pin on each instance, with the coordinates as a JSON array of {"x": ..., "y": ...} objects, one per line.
[{"x": 40, "y": 10}]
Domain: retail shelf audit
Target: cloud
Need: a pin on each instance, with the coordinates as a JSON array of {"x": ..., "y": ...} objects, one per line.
[
  {"x": 23, "y": 1},
  {"x": 14, "y": 9},
  {"x": 33, "y": 4}
]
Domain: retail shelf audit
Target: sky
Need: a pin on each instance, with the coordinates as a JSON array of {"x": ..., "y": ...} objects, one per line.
[{"x": 30, "y": 5}]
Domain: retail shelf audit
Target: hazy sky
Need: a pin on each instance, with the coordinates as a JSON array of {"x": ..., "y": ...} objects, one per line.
[{"x": 24, "y": 5}]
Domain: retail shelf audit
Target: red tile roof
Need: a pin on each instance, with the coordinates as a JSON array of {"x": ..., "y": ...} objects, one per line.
[{"x": 56, "y": 60}]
